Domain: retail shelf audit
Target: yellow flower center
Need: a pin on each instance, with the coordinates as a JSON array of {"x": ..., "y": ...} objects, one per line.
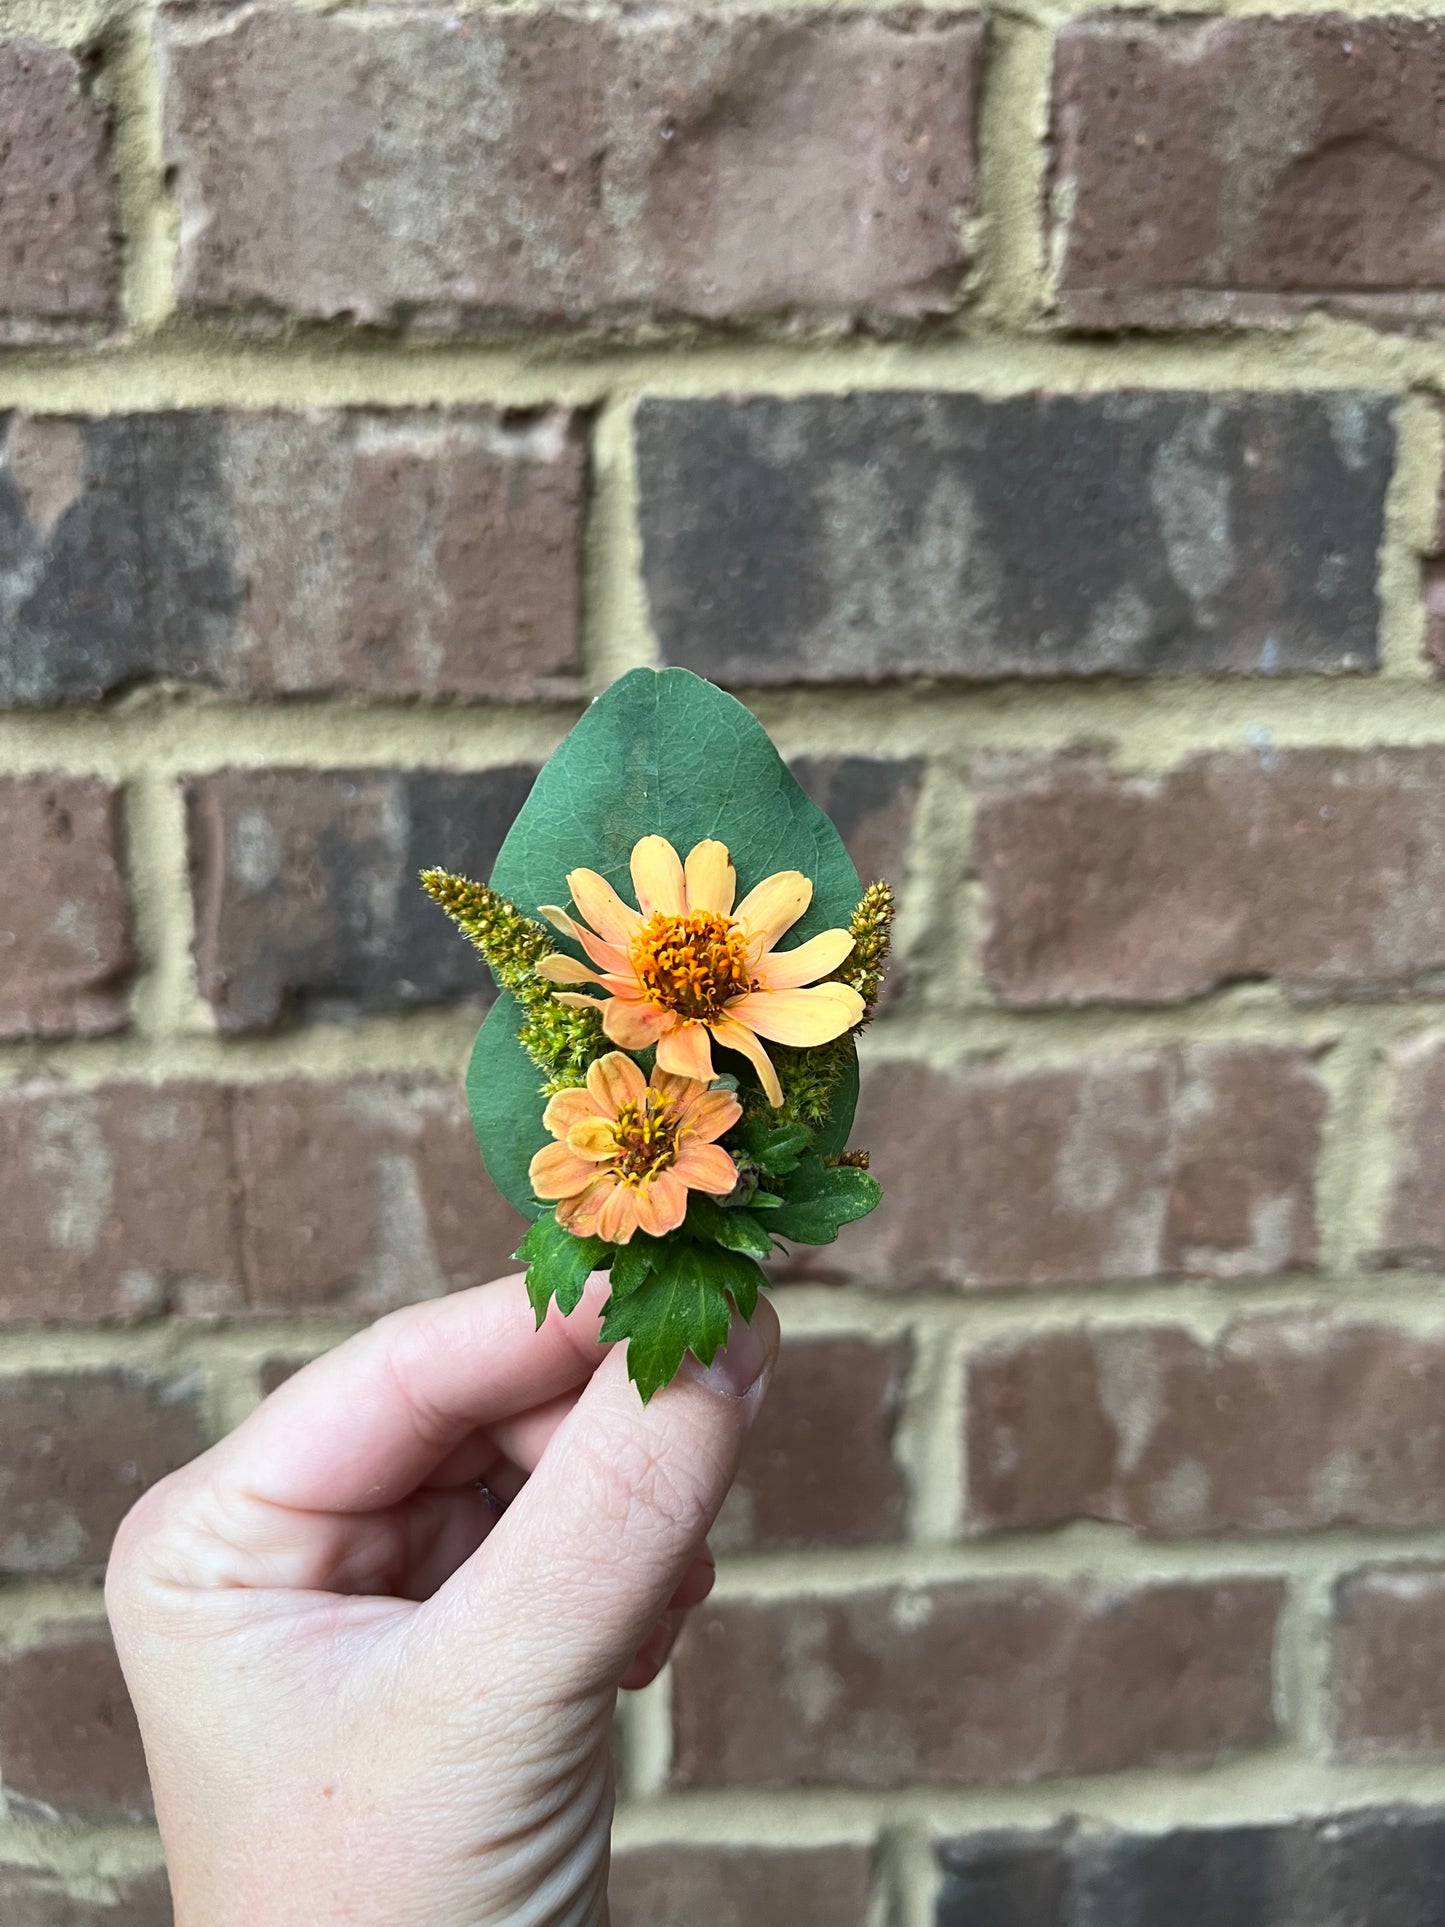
[
  {"x": 692, "y": 965},
  {"x": 646, "y": 1135}
]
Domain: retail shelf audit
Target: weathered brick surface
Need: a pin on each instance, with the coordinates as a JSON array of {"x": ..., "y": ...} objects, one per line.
[
  {"x": 306, "y": 898},
  {"x": 677, "y": 1886},
  {"x": 1384, "y": 1867},
  {"x": 59, "y": 216},
  {"x": 550, "y": 167},
  {"x": 1321, "y": 869},
  {"x": 34, "y": 1897},
  {"x": 1413, "y": 1228},
  {"x": 364, "y": 552},
  {"x": 77, "y": 1449},
  {"x": 65, "y": 934},
  {"x": 1388, "y": 1663},
  {"x": 909, "y": 534},
  {"x": 1283, "y": 1425},
  {"x": 1182, "y": 1163},
  {"x": 873, "y": 800},
  {"x": 1208, "y": 170},
  {"x": 820, "y": 1468},
  {"x": 69, "y": 1744},
  {"x": 970, "y": 1684}
]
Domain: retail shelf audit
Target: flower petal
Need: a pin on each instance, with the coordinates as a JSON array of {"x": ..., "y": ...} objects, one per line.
[
  {"x": 774, "y": 906},
  {"x": 708, "y": 1115},
  {"x": 579, "y": 1215},
  {"x": 685, "y": 1052},
  {"x": 712, "y": 882},
  {"x": 556, "y": 1172},
  {"x": 735, "y": 1036},
  {"x": 561, "y": 969},
  {"x": 634, "y": 1025},
  {"x": 786, "y": 969},
  {"x": 657, "y": 877},
  {"x": 567, "y": 1108},
  {"x": 594, "y": 896},
  {"x": 803, "y": 1017},
  {"x": 661, "y": 1204},
  {"x": 614, "y": 1080},
  {"x": 617, "y": 1216},
  {"x": 595, "y": 1139},
  {"x": 706, "y": 1167},
  {"x": 677, "y": 1090},
  {"x": 575, "y": 1000}
]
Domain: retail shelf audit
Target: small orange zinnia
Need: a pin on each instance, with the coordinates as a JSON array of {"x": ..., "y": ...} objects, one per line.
[
  {"x": 686, "y": 967},
  {"x": 631, "y": 1148}
]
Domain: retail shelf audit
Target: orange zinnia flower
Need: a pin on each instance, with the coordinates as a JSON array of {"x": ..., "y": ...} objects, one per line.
[
  {"x": 687, "y": 967},
  {"x": 631, "y": 1148}
]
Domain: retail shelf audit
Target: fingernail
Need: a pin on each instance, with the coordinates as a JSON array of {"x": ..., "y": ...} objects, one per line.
[{"x": 737, "y": 1367}]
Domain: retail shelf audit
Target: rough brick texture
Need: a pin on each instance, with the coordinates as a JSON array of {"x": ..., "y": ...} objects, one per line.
[
  {"x": 676, "y": 1886},
  {"x": 69, "y": 1745},
  {"x": 1243, "y": 170},
  {"x": 892, "y": 535},
  {"x": 34, "y": 1897},
  {"x": 1195, "y": 1162},
  {"x": 549, "y": 167},
  {"x": 1283, "y": 1425},
  {"x": 362, "y": 552},
  {"x": 1413, "y": 1229},
  {"x": 1380, "y": 1868},
  {"x": 59, "y": 215},
  {"x": 969, "y": 1684},
  {"x": 65, "y": 934},
  {"x": 820, "y": 1466},
  {"x": 1388, "y": 1662},
  {"x": 306, "y": 898},
  {"x": 77, "y": 1449},
  {"x": 1321, "y": 869}
]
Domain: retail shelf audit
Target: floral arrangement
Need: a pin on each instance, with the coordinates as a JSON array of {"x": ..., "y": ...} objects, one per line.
[{"x": 665, "y": 1086}]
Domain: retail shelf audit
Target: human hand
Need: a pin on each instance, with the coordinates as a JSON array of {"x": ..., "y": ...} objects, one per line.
[{"x": 367, "y": 1697}]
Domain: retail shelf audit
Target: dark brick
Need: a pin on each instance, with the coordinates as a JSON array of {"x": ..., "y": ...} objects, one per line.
[
  {"x": 1322, "y": 869},
  {"x": 77, "y": 1449},
  {"x": 978, "y": 1684},
  {"x": 1380, "y": 1868},
  {"x": 117, "y": 1201},
  {"x": 1179, "y": 1163},
  {"x": 551, "y": 167},
  {"x": 69, "y": 1744},
  {"x": 1387, "y": 1683},
  {"x": 819, "y": 1467},
  {"x": 1282, "y": 1425},
  {"x": 680, "y": 1886},
  {"x": 59, "y": 213},
  {"x": 362, "y": 1195},
  {"x": 307, "y": 903},
  {"x": 873, "y": 800},
  {"x": 366, "y": 552},
  {"x": 870, "y": 536},
  {"x": 35, "y": 1897},
  {"x": 1413, "y": 1233},
  {"x": 66, "y": 941},
  {"x": 1212, "y": 170}
]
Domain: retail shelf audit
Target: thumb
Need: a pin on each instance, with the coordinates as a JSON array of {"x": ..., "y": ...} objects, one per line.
[{"x": 587, "y": 1556}]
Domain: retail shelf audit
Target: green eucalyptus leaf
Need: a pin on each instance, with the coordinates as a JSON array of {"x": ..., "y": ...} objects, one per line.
[
  {"x": 683, "y": 1307},
  {"x": 558, "y": 1264},
  {"x": 504, "y": 1091},
  {"x": 820, "y": 1199},
  {"x": 734, "y": 1230}
]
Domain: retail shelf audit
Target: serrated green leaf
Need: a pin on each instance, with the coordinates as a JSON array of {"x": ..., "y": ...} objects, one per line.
[
  {"x": 634, "y": 1261},
  {"x": 735, "y": 1229},
  {"x": 683, "y": 1307},
  {"x": 782, "y": 1150},
  {"x": 820, "y": 1199},
  {"x": 743, "y": 1279},
  {"x": 765, "y": 1201},
  {"x": 558, "y": 1264}
]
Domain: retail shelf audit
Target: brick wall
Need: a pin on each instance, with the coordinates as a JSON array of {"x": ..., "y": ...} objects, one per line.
[{"x": 1034, "y": 417}]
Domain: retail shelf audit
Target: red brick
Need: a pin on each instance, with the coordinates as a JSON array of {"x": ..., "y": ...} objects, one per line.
[
  {"x": 69, "y": 1744},
  {"x": 59, "y": 213},
  {"x": 1322, "y": 869},
  {"x": 553, "y": 167},
  {"x": 1248, "y": 169},
  {"x": 364, "y": 1195},
  {"x": 755, "y": 1886},
  {"x": 963, "y": 1685},
  {"x": 66, "y": 937},
  {"x": 819, "y": 1468},
  {"x": 1413, "y": 1232},
  {"x": 1179, "y": 1163},
  {"x": 306, "y": 897},
  {"x": 77, "y": 1449},
  {"x": 1282, "y": 1425},
  {"x": 118, "y": 1202},
  {"x": 35, "y": 1897},
  {"x": 1388, "y": 1663}
]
